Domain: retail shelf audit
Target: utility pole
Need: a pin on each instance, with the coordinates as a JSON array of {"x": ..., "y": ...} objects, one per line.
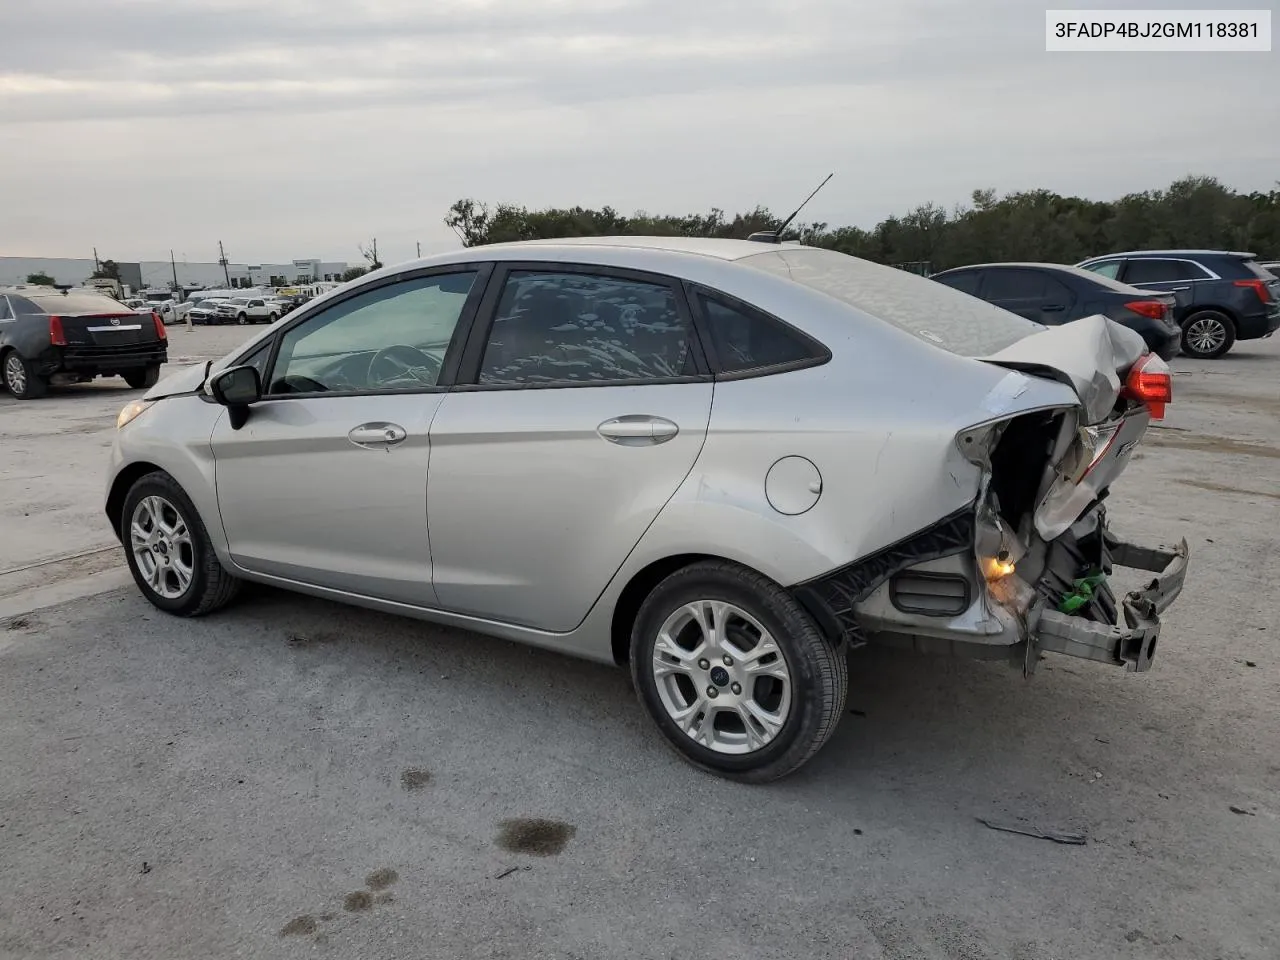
[
  {"x": 97, "y": 264},
  {"x": 174, "y": 264},
  {"x": 419, "y": 249},
  {"x": 375, "y": 250},
  {"x": 222, "y": 259}
]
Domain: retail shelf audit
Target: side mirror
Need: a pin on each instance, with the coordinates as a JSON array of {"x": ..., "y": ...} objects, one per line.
[{"x": 235, "y": 389}]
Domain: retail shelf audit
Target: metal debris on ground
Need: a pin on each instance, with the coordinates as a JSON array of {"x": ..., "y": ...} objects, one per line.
[
  {"x": 1039, "y": 833},
  {"x": 1242, "y": 811}
]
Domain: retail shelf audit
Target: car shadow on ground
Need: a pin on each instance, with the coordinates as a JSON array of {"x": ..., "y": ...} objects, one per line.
[{"x": 943, "y": 727}]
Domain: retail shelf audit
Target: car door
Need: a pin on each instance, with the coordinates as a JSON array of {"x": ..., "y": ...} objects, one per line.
[
  {"x": 586, "y": 407},
  {"x": 326, "y": 481},
  {"x": 1027, "y": 293}
]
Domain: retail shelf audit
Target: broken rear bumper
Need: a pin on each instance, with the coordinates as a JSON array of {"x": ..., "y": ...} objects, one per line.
[{"x": 1133, "y": 643}]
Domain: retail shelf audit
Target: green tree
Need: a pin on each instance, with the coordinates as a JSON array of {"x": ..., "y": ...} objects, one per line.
[
  {"x": 352, "y": 272},
  {"x": 40, "y": 279},
  {"x": 1037, "y": 225},
  {"x": 107, "y": 270}
]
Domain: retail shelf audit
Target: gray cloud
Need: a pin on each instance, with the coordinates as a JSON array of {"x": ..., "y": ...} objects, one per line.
[{"x": 295, "y": 128}]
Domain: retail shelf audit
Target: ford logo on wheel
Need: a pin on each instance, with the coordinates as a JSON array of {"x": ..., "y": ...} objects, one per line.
[{"x": 115, "y": 321}]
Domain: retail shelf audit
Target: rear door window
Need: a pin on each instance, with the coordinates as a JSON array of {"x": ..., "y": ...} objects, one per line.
[
  {"x": 743, "y": 338},
  {"x": 966, "y": 281},
  {"x": 1106, "y": 268},
  {"x": 1005, "y": 285},
  {"x": 1150, "y": 270},
  {"x": 552, "y": 327}
]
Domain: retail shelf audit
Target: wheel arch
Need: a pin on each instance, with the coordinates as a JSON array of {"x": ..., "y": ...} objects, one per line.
[
  {"x": 1209, "y": 308},
  {"x": 120, "y": 486},
  {"x": 644, "y": 580},
  {"x": 632, "y": 596}
]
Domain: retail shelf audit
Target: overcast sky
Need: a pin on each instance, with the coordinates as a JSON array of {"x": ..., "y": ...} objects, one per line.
[{"x": 299, "y": 128}]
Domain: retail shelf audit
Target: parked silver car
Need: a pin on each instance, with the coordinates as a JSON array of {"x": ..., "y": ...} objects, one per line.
[{"x": 725, "y": 463}]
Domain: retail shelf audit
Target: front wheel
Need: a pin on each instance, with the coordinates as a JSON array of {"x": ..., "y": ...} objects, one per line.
[
  {"x": 169, "y": 552},
  {"x": 242, "y": 319},
  {"x": 21, "y": 379},
  {"x": 1208, "y": 335},
  {"x": 735, "y": 673},
  {"x": 144, "y": 378}
]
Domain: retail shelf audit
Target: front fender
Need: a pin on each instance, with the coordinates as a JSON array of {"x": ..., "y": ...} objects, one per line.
[{"x": 148, "y": 443}]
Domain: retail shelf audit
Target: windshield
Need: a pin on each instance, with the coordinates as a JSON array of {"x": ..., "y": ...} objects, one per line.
[{"x": 923, "y": 308}]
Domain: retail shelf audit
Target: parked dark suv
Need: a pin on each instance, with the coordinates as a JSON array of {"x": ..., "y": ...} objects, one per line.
[
  {"x": 1222, "y": 296},
  {"x": 1053, "y": 294},
  {"x": 55, "y": 336}
]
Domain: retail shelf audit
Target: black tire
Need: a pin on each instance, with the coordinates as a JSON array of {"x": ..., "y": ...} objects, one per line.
[
  {"x": 144, "y": 378},
  {"x": 818, "y": 670},
  {"x": 211, "y": 586},
  {"x": 242, "y": 319},
  {"x": 272, "y": 317},
  {"x": 1208, "y": 323},
  {"x": 20, "y": 379}
]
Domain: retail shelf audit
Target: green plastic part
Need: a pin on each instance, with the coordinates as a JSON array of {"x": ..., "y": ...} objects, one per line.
[{"x": 1082, "y": 591}]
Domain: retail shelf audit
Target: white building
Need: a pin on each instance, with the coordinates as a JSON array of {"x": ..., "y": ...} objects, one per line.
[{"x": 159, "y": 274}]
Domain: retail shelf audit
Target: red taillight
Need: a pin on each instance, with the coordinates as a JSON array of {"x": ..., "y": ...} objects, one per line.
[
  {"x": 1257, "y": 286},
  {"x": 155, "y": 318},
  {"x": 56, "y": 334},
  {"x": 1148, "y": 308},
  {"x": 1151, "y": 382}
]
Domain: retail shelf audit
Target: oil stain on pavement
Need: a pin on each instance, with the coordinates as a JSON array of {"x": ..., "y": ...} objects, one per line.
[{"x": 536, "y": 837}]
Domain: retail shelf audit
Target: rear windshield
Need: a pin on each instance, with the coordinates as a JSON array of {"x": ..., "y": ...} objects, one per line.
[
  {"x": 924, "y": 308},
  {"x": 75, "y": 304}
]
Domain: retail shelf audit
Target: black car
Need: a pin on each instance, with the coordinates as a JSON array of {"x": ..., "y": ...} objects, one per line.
[
  {"x": 1222, "y": 296},
  {"x": 71, "y": 336},
  {"x": 1053, "y": 294}
]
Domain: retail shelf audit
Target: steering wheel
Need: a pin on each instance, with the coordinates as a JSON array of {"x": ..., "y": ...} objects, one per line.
[{"x": 403, "y": 364}]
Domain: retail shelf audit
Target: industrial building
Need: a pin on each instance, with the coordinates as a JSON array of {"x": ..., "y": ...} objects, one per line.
[{"x": 159, "y": 274}]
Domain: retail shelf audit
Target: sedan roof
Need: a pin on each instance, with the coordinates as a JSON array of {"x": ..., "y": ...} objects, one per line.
[{"x": 717, "y": 247}]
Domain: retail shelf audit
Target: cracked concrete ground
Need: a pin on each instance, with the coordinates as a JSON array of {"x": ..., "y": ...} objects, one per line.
[{"x": 293, "y": 778}]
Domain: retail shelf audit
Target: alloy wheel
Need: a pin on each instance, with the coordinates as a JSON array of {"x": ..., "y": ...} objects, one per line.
[
  {"x": 162, "y": 547},
  {"x": 722, "y": 677},
  {"x": 1206, "y": 335},
  {"x": 15, "y": 374}
]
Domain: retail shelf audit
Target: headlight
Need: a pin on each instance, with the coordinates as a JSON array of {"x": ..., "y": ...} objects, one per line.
[{"x": 132, "y": 411}]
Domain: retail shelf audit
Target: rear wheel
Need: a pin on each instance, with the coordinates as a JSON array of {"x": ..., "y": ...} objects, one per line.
[
  {"x": 242, "y": 319},
  {"x": 736, "y": 675},
  {"x": 169, "y": 552},
  {"x": 272, "y": 317},
  {"x": 140, "y": 379},
  {"x": 1208, "y": 334},
  {"x": 21, "y": 379}
]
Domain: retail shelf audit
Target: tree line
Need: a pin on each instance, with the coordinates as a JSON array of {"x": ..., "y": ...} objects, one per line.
[{"x": 1034, "y": 225}]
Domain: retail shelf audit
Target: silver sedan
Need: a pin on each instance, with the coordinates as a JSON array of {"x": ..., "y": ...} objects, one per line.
[{"x": 723, "y": 463}]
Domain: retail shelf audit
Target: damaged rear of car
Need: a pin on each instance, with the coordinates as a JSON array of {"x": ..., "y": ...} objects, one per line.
[{"x": 1024, "y": 566}]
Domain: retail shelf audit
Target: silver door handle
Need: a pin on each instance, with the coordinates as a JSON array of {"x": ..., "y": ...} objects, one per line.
[
  {"x": 1179, "y": 288},
  {"x": 378, "y": 434},
  {"x": 636, "y": 429}
]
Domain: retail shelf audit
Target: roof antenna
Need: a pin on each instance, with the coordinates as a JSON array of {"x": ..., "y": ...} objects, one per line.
[{"x": 775, "y": 236}]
